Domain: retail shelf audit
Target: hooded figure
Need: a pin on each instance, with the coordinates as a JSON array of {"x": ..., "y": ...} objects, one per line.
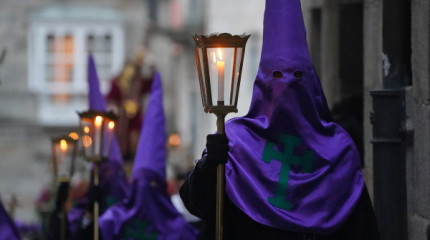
[
  {"x": 290, "y": 169},
  {"x": 148, "y": 213},
  {"x": 112, "y": 179},
  {"x": 8, "y": 229}
]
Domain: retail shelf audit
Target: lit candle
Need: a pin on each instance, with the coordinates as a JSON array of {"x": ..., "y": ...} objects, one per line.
[
  {"x": 63, "y": 149},
  {"x": 98, "y": 134},
  {"x": 111, "y": 126},
  {"x": 108, "y": 138},
  {"x": 63, "y": 153},
  {"x": 220, "y": 67}
]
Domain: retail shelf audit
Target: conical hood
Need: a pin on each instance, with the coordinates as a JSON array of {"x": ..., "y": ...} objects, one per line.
[
  {"x": 112, "y": 178},
  {"x": 284, "y": 36},
  {"x": 298, "y": 170},
  {"x": 151, "y": 151},
  {"x": 95, "y": 97},
  {"x": 97, "y": 102},
  {"x": 148, "y": 213}
]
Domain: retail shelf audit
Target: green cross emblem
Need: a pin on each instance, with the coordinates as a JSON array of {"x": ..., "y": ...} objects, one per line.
[
  {"x": 287, "y": 158},
  {"x": 138, "y": 230},
  {"x": 109, "y": 202}
]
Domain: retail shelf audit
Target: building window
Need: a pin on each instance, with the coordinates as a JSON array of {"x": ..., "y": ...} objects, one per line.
[
  {"x": 60, "y": 64},
  {"x": 58, "y": 61},
  {"x": 101, "y": 48}
]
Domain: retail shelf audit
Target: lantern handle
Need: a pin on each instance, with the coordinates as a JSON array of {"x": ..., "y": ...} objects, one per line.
[
  {"x": 220, "y": 185},
  {"x": 96, "y": 204}
]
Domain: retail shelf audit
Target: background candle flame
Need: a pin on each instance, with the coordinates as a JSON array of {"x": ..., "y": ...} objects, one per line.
[
  {"x": 111, "y": 125},
  {"x": 63, "y": 145}
]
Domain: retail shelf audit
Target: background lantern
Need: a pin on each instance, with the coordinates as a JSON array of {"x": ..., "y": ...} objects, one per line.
[
  {"x": 97, "y": 130},
  {"x": 219, "y": 59},
  {"x": 64, "y": 149}
]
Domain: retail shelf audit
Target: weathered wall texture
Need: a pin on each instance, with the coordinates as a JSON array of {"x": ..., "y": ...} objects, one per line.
[
  {"x": 372, "y": 66},
  {"x": 419, "y": 166}
]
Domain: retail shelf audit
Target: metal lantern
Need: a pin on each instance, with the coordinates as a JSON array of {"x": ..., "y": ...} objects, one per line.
[
  {"x": 64, "y": 149},
  {"x": 219, "y": 59},
  {"x": 97, "y": 130}
]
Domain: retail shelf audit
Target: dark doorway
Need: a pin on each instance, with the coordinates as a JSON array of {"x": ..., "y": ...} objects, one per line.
[{"x": 349, "y": 111}]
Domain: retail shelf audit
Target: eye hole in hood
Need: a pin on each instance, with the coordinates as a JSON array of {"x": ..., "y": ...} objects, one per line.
[
  {"x": 298, "y": 74},
  {"x": 277, "y": 74}
]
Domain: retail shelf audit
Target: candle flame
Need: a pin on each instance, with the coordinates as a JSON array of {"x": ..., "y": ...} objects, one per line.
[
  {"x": 74, "y": 135},
  {"x": 174, "y": 140},
  {"x": 86, "y": 129},
  {"x": 220, "y": 54},
  {"x": 86, "y": 141},
  {"x": 63, "y": 145},
  {"x": 98, "y": 121},
  {"x": 111, "y": 125}
]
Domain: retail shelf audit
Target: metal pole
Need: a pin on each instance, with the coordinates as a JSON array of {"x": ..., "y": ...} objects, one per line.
[
  {"x": 63, "y": 222},
  {"x": 96, "y": 204},
  {"x": 220, "y": 184}
]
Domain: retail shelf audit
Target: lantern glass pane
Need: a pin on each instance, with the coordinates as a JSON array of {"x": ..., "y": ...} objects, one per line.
[
  {"x": 64, "y": 154},
  {"x": 236, "y": 75},
  {"x": 201, "y": 72},
  {"x": 108, "y": 133},
  {"x": 97, "y": 134},
  {"x": 87, "y": 133},
  {"x": 221, "y": 63}
]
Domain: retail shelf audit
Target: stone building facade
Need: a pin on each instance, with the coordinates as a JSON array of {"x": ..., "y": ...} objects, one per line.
[{"x": 378, "y": 26}]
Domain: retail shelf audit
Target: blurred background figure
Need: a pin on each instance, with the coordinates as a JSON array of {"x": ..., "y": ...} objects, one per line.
[{"x": 125, "y": 98}]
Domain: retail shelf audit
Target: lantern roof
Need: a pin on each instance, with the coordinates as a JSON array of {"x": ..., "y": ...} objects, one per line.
[
  {"x": 221, "y": 40},
  {"x": 67, "y": 138},
  {"x": 94, "y": 113}
]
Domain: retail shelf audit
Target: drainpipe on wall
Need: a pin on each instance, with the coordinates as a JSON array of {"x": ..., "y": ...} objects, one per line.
[{"x": 388, "y": 119}]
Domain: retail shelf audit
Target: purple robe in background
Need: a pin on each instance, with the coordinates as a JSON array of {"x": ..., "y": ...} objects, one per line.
[
  {"x": 148, "y": 213},
  {"x": 8, "y": 229},
  {"x": 112, "y": 179},
  {"x": 290, "y": 166},
  {"x": 113, "y": 182}
]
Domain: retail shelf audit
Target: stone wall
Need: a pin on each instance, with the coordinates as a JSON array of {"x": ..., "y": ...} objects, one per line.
[{"x": 419, "y": 166}]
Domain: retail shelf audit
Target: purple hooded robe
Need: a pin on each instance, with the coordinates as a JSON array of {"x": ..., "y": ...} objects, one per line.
[
  {"x": 112, "y": 179},
  {"x": 148, "y": 213},
  {"x": 290, "y": 166}
]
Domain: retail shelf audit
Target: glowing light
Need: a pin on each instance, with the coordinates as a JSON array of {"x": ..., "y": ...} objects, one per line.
[
  {"x": 131, "y": 108},
  {"x": 98, "y": 121},
  {"x": 174, "y": 140},
  {"x": 111, "y": 125},
  {"x": 86, "y": 129},
  {"x": 214, "y": 57},
  {"x": 74, "y": 135},
  {"x": 63, "y": 145},
  {"x": 87, "y": 141},
  {"x": 220, "y": 54}
]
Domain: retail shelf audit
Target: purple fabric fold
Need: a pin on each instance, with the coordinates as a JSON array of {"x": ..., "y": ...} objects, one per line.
[
  {"x": 148, "y": 213},
  {"x": 8, "y": 229},
  {"x": 290, "y": 166}
]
